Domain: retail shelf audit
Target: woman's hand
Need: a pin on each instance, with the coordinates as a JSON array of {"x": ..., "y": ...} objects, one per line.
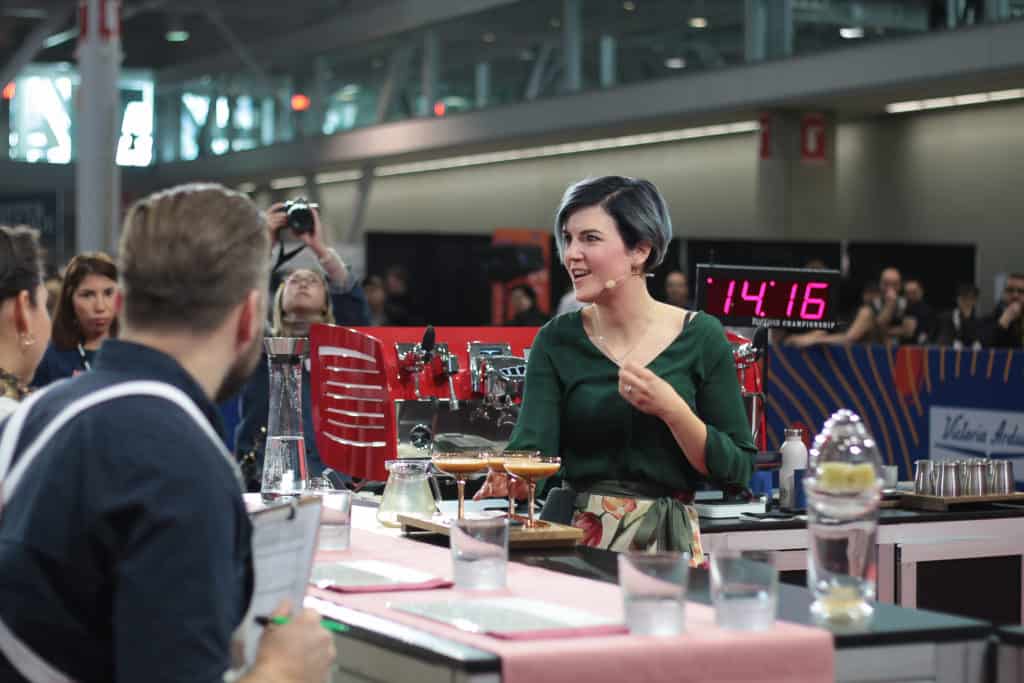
[
  {"x": 276, "y": 219},
  {"x": 805, "y": 339},
  {"x": 647, "y": 392},
  {"x": 315, "y": 240},
  {"x": 495, "y": 486}
]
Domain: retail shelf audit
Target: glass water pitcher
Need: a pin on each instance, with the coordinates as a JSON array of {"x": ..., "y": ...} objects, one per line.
[
  {"x": 843, "y": 487},
  {"x": 285, "y": 472},
  {"x": 407, "y": 491}
]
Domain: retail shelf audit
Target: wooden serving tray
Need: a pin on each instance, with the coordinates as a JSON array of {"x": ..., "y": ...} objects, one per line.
[
  {"x": 550, "y": 535},
  {"x": 917, "y": 501}
]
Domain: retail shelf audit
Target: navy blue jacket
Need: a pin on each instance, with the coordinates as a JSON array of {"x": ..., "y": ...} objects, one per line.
[
  {"x": 125, "y": 553},
  {"x": 58, "y": 364}
]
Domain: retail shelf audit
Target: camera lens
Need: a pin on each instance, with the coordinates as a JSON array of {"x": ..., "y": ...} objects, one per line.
[{"x": 300, "y": 218}]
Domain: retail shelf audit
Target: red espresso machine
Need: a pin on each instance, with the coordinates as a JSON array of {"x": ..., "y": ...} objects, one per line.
[{"x": 381, "y": 393}]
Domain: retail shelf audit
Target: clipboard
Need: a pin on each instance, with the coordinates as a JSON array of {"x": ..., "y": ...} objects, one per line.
[{"x": 284, "y": 541}]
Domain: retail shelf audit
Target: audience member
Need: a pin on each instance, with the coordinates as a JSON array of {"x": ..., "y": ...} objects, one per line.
[
  {"x": 891, "y": 307},
  {"x": 127, "y": 551},
  {"x": 398, "y": 308},
  {"x": 24, "y": 320},
  {"x": 568, "y": 303},
  {"x": 86, "y": 315},
  {"x": 863, "y": 329},
  {"x": 961, "y": 327},
  {"x": 677, "y": 289},
  {"x": 53, "y": 284},
  {"x": 303, "y": 298},
  {"x": 1005, "y": 327},
  {"x": 377, "y": 299},
  {"x": 919, "y": 312},
  {"x": 523, "y": 301}
]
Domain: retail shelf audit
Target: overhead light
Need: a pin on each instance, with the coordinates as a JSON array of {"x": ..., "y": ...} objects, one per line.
[
  {"x": 629, "y": 5},
  {"x": 851, "y": 32},
  {"x": 698, "y": 22},
  {"x": 329, "y": 177},
  {"x": 568, "y": 148},
  {"x": 176, "y": 31},
  {"x": 348, "y": 93},
  {"x": 675, "y": 63},
  {"x": 954, "y": 101},
  {"x": 288, "y": 183}
]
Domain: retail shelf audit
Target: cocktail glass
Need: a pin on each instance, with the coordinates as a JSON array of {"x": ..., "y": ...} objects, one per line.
[
  {"x": 530, "y": 469},
  {"x": 460, "y": 465},
  {"x": 496, "y": 463}
]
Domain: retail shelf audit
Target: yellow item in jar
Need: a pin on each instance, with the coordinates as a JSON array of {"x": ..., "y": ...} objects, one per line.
[
  {"x": 844, "y": 476},
  {"x": 840, "y": 601}
]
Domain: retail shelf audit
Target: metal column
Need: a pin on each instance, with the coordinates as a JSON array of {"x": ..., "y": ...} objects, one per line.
[
  {"x": 431, "y": 72},
  {"x": 97, "y": 176},
  {"x": 482, "y": 91},
  {"x": 768, "y": 29},
  {"x": 608, "y": 65},
  {"x": 572, "y": 45}
]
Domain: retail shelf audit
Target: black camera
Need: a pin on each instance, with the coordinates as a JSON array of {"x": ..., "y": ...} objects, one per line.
[{"x": 299, "y": 213}]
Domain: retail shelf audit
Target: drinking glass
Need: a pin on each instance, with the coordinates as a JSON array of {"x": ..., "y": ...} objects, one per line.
[
  {"x": 460, "y": 465},
  {"x": 479, "y": 553},
  {"x": 496, "y": 463},
  {"x": 654, "y": 591},
  {"x": 530, "y": 469},
  {"x": 744, "y": 589}
]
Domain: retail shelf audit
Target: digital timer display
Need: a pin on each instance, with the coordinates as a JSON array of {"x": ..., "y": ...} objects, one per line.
[{"x": 751, "y": 296}]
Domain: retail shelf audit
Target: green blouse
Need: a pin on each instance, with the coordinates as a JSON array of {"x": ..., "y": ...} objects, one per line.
[{"x": 572, "y": 407}]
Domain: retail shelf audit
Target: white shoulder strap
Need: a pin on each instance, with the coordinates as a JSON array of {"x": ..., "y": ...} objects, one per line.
[{"x": 8, "y": 443}]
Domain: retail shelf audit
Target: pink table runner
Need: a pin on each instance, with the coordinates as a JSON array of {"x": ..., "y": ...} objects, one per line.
[{"x": 787, "y": 653}]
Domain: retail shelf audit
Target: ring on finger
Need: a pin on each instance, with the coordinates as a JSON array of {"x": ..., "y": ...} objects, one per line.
[{"x": 626, "y": 388}]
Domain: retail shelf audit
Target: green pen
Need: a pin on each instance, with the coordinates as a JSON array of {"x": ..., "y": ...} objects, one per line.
[{"x": 328, "y": 624}]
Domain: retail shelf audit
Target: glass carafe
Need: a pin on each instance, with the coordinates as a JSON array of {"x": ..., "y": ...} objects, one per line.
[
  {"x": 407, "y": 491},
  {"x": 285, "y": 472},
  {"x": 843, "y": 488}
]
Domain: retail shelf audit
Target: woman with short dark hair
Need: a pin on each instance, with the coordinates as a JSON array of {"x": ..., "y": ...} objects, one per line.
[
  {"x": 86, "y": 314},
  {"x": 24, "y": 320},
  {"x": 639, "y": 398}
]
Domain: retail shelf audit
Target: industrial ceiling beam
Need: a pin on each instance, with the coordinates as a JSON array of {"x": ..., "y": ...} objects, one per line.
[
  {"x": 33, "y": 43},
  {"x": 381, "y": 20}
]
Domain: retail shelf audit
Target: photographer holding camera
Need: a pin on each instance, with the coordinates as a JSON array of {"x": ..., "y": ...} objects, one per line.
[{"x": 300, "y": 298}]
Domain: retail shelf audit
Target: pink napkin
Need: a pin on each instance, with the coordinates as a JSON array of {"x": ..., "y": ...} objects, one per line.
[
  {"x": 392, "y": 587},
  {"x": 568, "y": 632}
]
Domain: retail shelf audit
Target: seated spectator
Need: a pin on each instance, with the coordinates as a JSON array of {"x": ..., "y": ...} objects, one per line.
[
  {"x": 377, "y": 300},
  {"x": 919, "y": 316},
  {"x": 961, "y": 327},
  {"x": 398, "y": 309},
  {"x": 677, "y": 290},
  {"x": 863, "y": 329},
  {"x": 24, "y": 320},
  {"x": 53, "y": 284},
  {"x": 568, "y": 303},
  {"x": 86, "y": 315},
  {"x": 303, "y": 298},
  {"x": 523, "y": 301},
  {"x": 1005, "y": 327},
  {"x": 890, "y": 308}
]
